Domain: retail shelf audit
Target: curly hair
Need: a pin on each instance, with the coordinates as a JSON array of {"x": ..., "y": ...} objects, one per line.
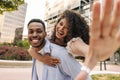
[{"x": 77, "y": 26}]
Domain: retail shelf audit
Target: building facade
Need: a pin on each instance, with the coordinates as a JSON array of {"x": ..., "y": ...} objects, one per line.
[
  {"x": 18, "y": 34},
  {"x": 10, "y": 21}
]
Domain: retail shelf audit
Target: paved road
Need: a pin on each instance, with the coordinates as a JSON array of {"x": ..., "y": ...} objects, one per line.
[
  {"x": 15, "y": 73},
  {"x": 110, "y": 68},
  {"x": 25, "y": 73}
]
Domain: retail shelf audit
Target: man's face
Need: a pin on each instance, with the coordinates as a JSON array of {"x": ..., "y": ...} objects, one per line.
[{"x": 36, "y": 34}]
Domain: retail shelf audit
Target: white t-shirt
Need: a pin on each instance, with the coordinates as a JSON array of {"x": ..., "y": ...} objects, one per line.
[{"x": 39, "y": 67}]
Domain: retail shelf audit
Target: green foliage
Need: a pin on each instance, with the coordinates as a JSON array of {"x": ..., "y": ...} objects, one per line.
[
  {"x": 6, "y": 44},
  {"x": 23, "y": 43},
  {"x": 9, "y": 5},
  {"x": 106, "y": 77}
]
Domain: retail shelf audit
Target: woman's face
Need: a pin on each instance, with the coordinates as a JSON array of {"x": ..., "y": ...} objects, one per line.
[{"x": 62, "y": 29}]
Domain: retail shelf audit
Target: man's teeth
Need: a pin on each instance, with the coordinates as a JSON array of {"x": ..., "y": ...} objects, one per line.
[{"x": 34, "y": 41}]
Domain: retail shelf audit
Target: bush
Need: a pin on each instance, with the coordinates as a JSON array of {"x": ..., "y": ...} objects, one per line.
[
  {"x": 6, "y": 44},
  {"x": 14, "y": 53},
  {"x": 3, "y": 49},
  {"x": 23, "y": 43}
]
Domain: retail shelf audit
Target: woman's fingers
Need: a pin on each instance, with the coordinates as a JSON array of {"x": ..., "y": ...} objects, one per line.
[
  {"x": 118, "y": 37},
  {"x": 106, "y": 17},
  {"x": 116, "y": 19},
  {"x": 95, "y": 25}
]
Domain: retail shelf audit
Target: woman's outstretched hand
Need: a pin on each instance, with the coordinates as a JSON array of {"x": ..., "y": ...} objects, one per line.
[
  {"x": 104, "y": 33},
  {"x": 105, "y": 29}
]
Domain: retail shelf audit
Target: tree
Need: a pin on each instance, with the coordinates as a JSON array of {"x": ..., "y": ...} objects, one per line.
[{"x": 9, "y": 5}]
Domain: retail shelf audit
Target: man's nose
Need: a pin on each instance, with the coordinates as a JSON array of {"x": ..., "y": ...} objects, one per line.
[{"x": 34, "y": 34}]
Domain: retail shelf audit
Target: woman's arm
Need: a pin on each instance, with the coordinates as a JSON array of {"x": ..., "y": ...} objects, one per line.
[
  {"x": 77, "y": 47},
  {"x": 46, "y": 59}
]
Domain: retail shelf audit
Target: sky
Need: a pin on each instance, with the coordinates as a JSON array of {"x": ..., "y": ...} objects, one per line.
[{"x": 35, "y": 9}]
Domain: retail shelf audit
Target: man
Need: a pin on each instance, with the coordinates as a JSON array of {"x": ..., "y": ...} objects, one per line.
[{"x": 36, "y": 37}]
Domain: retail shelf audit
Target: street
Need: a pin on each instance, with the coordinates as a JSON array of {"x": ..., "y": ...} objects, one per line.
[
  {"x": 15, "y": 73},
  {"x": 24, "y": 73}
]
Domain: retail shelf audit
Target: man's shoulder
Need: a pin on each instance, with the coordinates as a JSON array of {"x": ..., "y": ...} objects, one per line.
[
  {"x": 57, "y": 46},
  {"x": 59, "y": 51}
]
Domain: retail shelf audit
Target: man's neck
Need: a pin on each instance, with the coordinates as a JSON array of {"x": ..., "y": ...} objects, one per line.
[{"x": 40, "y": 47}]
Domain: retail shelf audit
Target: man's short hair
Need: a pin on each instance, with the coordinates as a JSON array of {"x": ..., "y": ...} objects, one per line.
[{"x": 37, "y": 20}]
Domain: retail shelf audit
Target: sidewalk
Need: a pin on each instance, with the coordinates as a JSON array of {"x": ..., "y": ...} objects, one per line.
[
  {"x": 15, "y": 73},
  {"x": 14, "y": 63},
  {"x": 24, "y": 73},
  {"x": 110, "y": 69},
  {"x": 15, "y": 70}
]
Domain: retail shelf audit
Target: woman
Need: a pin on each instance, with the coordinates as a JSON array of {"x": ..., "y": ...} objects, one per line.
[{"x": 69, "y": 25}]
